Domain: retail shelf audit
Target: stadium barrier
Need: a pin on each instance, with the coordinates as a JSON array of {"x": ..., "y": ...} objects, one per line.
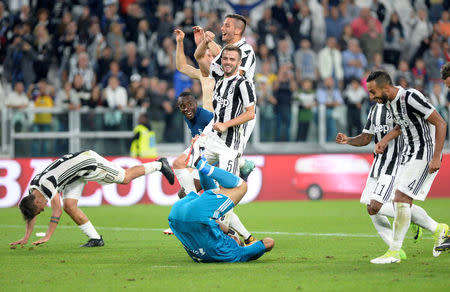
[{"x": 276, "y": 177}]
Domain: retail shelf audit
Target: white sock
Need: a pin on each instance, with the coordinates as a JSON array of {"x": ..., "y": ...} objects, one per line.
[
  {"x": 185, "y": 179},
  {"x": 89, "y": 230},
  {"x": 383, "y": 226},
  {"x": 152, "y": 166},
  {"x": 421, "y": 218},
  {"x": 237, "y": 225},
  {"x": 241, "y": 162},
  {"x": 387, "y": 210},
  {"x": 401, "y": 224}
]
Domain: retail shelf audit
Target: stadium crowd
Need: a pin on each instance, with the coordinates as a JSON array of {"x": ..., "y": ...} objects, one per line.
[{"x": 120, "y": 54}]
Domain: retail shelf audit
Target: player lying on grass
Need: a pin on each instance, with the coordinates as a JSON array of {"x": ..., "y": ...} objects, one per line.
[
  {"x": 69, "y": 174},
  {"x": 194, "y": 219}
]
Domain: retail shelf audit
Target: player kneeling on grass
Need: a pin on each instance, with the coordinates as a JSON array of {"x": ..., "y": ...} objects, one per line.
[
  {"x": 194, "y": 219},
  {"x": 69, "y": 174}
]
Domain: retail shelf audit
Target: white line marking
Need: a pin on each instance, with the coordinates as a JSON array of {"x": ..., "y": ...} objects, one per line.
[{"x": 253, "y": 232}]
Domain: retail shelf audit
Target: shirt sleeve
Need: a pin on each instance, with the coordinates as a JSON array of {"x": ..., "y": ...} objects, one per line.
[
  {"x": 368, "y": 128},
  {"x": 248, "y": 58},
  {"x": 247, "y": 93},
  {"x": 420, "y": 104}
]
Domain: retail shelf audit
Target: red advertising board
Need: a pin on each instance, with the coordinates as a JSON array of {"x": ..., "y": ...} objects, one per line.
[{"x": 276, "y": 177}]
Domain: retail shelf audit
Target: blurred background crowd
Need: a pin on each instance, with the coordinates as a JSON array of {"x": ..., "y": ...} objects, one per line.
[{"x": 120, "y": 55}]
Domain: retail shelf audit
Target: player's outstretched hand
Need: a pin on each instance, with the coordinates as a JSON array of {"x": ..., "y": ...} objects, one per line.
[
  {"x": 21, "y": 242},
  {"x": 199, "y": 34},
  {"x": 341, "y": 138},
  {"x": 179, "y": 35},
  {"x": 379, "y": 147},
  {"x": 41, "y": 241}
]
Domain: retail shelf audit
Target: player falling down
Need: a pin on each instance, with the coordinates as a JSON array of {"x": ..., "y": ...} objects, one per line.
[
  {"x": 195, "y": 219},
  {"x": 197, "y": 119},
  {"x": 423, "y": 131},
  {"x": 379, "y": 190},
  {"x": 69, "y": 174}
]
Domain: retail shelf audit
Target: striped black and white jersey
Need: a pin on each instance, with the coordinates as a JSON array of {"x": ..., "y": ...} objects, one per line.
[
  {"x": 64, "y": 171},
  {"x": 248, "y": 60},
  {"x": 410, "y": 110},
  {"x": 379, "y": 123},
  {"x": 230, "y": 98}
]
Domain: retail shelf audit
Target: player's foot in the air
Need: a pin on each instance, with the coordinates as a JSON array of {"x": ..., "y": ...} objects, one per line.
[
  {"x": 390, "y": 257},
  {"x": 93, "y": 242},
  {"x": 440, "y": 235},
  {"x": 247, "y": 169},
  {"x": 168, "y": 231},
  {"x": 250, "y": 240},
  {"x": 417, "y": 232},
  {"x": 166, "y": 170},
  {"x": 444, "y": 246}
]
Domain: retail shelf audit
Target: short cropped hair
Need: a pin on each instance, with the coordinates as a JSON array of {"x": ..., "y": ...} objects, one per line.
[
  {"x": 233, "y": 48},
  {"x": 28, "y": 207},
  {"x": 242, "y": 22},
  {"x": 381, "y": 78},
  {"x": 186, "y": 95},
  {"x": 445, "y": 71}
]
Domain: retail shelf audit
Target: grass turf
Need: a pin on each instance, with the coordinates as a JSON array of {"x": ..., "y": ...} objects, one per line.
[{"x": 320, "y": 246}]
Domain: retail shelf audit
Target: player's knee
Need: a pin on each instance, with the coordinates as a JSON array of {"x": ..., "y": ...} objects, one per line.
[
  {"x": 269, "y": 243},
  {"x": 181, "y": 193},
  {"x": 70, "y": 208},
  {"x": 179, "y": 162}
]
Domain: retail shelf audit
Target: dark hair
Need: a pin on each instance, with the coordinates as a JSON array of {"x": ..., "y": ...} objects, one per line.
[
  {"x": 233, "y": 48},
  {"x": 380, "y": 77},
  {"x": 28, "y": 207},
  {"x": 186, "y": 95},
  {"x": 241, "y": 18},
  {"x": 445, "y": 71}
]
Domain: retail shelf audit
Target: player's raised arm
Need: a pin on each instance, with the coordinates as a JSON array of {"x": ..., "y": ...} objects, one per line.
[
  {"x": 180, "y": 58},
  {"x": 394, "y": 133},
  {"x": 441, "y": 128}
]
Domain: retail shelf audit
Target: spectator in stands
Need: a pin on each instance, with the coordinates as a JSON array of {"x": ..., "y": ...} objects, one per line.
[
  {"x": 421, "y": 28},
  {"x": 83, "y": 23},
  {"x": 132, "y": 63},
  {"x": 115, "y": 40},
  {"x": 331, "y": 97},
  {"x": 146, "y": 41},
  {"x": 360, "y": 25},
  {"x": 403, "y": 72},
  {"x": 42, "y": 96},
  {"x": 438, "y": 98},
  {"x": 354, "y": 96},
  {"x": 283, "y": 88},
  {"x": 378, "y": 9},
  {"x": 419, "y": 71},
  {"x": 109, "y": 17},
  {"x": 157, "y": 90},
  {"x": 80, "y": 94},
  {"x": 103, "y": 63},
  {"x": 165, "y": 23},
  {"x": 281, "y": 12},
  {"x": 433, "y": 59},
  {"x": 65, "y": 48},
  {"x": 116, "y": 96},
  {"x": 263, "y": 55},
  {"x": 84, "y": 70},
  {"x": 444, "y": 24},
  {"x": 346, "y": 36},
  {"x": 165, "y": 60},
  {"x": 372, "y": 42},
  {"x": 268, "y": 30},
  {"x": 302, "y": 24},
  {"x": 174, "y": 120},
  {"x": 330, "y": 62},
  {"x": 394, "y": 40},
  {"x": 135, "y": 83},
  {"x": 66, "y": 99},
  {"x": 44, "y": 51},
  {"x": 185, "y": 20},
  {"x": 114, "y": 70},
  {"x": 266, "y": 102},
  {"x": 354, "y": 62},
  {"x": 305, "y": 98},
  {"x": 349, "y": 10},
  {"x": 284, "y": 53},
  {"x": 334, "y": 23},
  {"x": 134, "y": 14},
  {"x": 140, "y": 98},
  {"x": 18, "y": 100},
  {"x": 96, "y": 42},
  {"x": 19, "y": 61},
  {"x": 305, "y": 60}
]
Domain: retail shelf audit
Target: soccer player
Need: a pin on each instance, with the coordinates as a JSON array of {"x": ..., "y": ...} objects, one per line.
[
  {"x": 194, "y": 219},
  {"x": 445, "y": 75},
  {"x": 379, "y": 190},
  {"x": 423, "y": 132},
  {"x": 69, "y": 174}
]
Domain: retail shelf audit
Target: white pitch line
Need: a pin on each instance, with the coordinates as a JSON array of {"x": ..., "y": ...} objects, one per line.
[{"x": 255, "y": 232}]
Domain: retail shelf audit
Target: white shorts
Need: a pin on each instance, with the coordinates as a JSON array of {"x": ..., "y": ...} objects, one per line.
[
  {"x": 217, "y": 151},
  {"x": 414, "y": 180},
  {"x": 379, "y": 189},
  {"x": 106, "y": 173}
]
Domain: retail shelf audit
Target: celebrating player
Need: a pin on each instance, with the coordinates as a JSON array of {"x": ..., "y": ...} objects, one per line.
[
  {"x": 423, "y": 132},
  {"x": 69, "y": 174}
]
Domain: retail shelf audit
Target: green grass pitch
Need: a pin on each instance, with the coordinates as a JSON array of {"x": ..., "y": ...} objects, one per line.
[{"x": 319, "y": 246}]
